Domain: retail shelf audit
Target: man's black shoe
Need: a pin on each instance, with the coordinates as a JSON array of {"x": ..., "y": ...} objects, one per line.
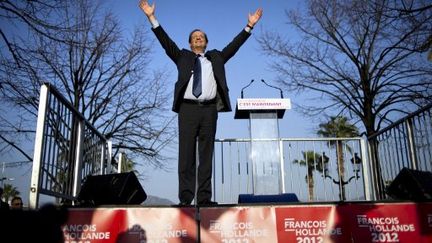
[
  {"x": 207, "y": 203},
  {"x": 184, "y": 204}
]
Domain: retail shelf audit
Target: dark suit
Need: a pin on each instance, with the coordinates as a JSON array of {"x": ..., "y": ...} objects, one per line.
[{"x": 198, "y": 121}]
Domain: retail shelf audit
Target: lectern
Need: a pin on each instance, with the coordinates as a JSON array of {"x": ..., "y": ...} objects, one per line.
[{"x": 266, "y": 157}]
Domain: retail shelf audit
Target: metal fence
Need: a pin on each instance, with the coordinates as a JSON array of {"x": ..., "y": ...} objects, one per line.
[
  {"x": 67, "y": 149},
  {"x": 407, "y": 143},
  {"x": 315, "y": 169}
]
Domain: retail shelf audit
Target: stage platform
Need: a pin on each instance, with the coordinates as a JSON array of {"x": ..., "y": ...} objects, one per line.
[{"x": 244, "y": 223}]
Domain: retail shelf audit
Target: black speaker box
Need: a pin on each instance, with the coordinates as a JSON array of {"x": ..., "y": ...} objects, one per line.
[
  {"x": 111, "y": 189},
  {"x": 413, "y": 185},
  {"x": 277, "y": 198}
]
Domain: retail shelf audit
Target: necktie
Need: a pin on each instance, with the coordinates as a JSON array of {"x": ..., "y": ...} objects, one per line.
[{"x": 196, "y": 88}]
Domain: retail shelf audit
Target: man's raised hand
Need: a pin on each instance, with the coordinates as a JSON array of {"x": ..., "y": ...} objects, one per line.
[
  {"x": 253, "y": 18},
  {"x": 147, "y": 8}
]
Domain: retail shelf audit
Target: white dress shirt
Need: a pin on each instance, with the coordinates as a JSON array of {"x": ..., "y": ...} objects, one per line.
[{"x": 208, "y": 84}]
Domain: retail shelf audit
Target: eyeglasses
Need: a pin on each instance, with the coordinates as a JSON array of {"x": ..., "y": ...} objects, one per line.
[{"x": 17, "y": 204}]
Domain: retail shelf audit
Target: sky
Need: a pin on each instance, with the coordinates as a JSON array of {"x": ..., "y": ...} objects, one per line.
[{"x": 221, "y": 20}]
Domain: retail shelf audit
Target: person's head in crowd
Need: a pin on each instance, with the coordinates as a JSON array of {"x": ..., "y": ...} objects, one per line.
[{"x": 16, "y": 203}]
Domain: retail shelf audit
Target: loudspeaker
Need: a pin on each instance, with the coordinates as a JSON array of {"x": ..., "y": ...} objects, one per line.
[
  {"x": 278, "y": 198},
  {"x": 111, "y": 189},
  {"x": 409, "y": 184}
]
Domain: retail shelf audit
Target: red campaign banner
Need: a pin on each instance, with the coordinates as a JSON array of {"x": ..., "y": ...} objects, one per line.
[
  {"x": 151, "y": 225},
  {"x": 161, "y": 225},
  {"x": 94, "y": 225},
  {"x": 389, "y": 222},
  {"x": 238, "y": 225},
  {"x": 310, "y": 224},
  {"x": 351, "y": 222}
]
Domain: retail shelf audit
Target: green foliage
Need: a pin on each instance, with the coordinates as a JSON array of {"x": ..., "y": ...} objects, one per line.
[
  {"x": 314, "y": 161},
  {"x": 9, "y": 191},
  {"x": 338, "y": 127}
]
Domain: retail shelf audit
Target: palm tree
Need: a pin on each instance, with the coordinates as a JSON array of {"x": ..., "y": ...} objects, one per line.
[
  {"x": 9, "y": 191},
  {"x": 313, "y": 161},
  {"x": 338, "y": 127}
]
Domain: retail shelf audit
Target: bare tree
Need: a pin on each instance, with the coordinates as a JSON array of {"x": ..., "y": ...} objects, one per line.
[
  {"x": 362, "y": 59},
  {"x": 103, "y": 73},
  {"x": 409, "y": 7},
  {"x": 29, "y": 15}
]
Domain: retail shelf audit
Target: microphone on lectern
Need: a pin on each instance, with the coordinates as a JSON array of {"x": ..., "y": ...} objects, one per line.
[
  {"x": 281, "y": 92},
  {"x": 241, "y": 95}
]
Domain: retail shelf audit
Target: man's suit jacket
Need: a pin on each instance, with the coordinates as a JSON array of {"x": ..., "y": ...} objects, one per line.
[{"x": 184, "y": 60}]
